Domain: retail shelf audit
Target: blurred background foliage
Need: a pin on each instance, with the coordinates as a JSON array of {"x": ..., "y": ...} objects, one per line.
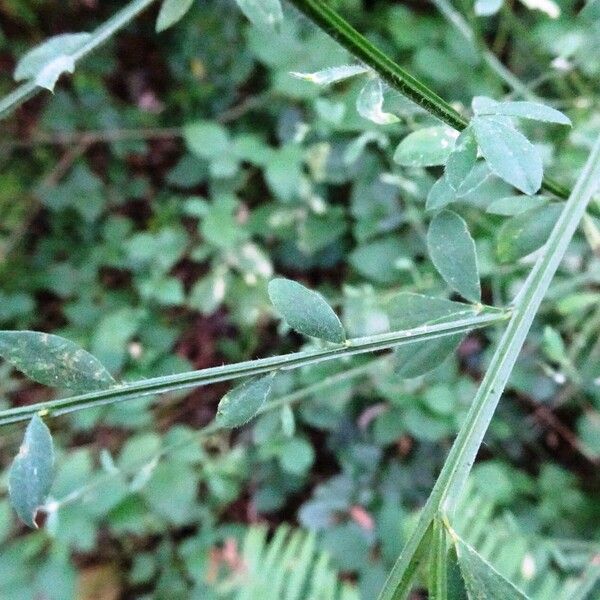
[{"x": 143, "y": 208}]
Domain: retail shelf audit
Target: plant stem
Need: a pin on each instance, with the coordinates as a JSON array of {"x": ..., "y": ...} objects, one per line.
[
  {"x": 462, "y": 455},
  {"x": 170, "y": 383},
  {"x": 398, "y": 78},
  {"x": 100, "y": 35}
]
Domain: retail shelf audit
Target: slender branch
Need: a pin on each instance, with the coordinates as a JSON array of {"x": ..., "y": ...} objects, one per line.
[
  {"x": 100, "y": 35},
  {"x": 397, "y": 77},
  {"x": 466, "y": 445},
  {"x": 180, "y": 381}
]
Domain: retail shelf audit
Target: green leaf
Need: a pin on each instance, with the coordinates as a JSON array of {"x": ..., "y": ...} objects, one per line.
[
  {"x": 53, "y": 361},
  {"x": 526, "y": 232},
  {"x": 31, "y": 472},
  {"x": 441, "y": 194},
  {"x": 514, "y": 205},
  {"x": 172, "y": 11},
  {"x": 265, "y": 14},
  {"x": 452, "y": 251},
  {"x": 427, "y": 147},
  {"x": 305, "y": 310},
  {"x": 243, "y": 402},
  {"x": 369, "y": 104},
  {"x": 407, "y": 310},
  {"x": 482, "y": 581},
  {"x": 509, "y": 154},
  {"x": 522, "y": 110},
  {"x": 206, "y": 139},
  {"x": 332, "y": 74},
  {"x": 48, "y": 61},
  {"x": 462, "y": 159}
]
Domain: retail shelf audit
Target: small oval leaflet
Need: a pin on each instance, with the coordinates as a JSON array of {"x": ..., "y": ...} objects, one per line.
[
  {"x": 369, "y": 104},
  {"x": 242, "y": 403},
  {"x": 462, "y": 159},
  {"x": 266, "y": 14},
  {"x": 306, "y": 311},
  {"x": 452, "y": 252},
  {"x": 53, "y": 361},
  {"x": 31, "y": 472},
  {"x": 441, "y": 194},
  {"x": 522, "y": 110},
  {"x": 172, "y": 11},
  {"x": 509, "y": 154},
  {"x": 428, "y": 147}
]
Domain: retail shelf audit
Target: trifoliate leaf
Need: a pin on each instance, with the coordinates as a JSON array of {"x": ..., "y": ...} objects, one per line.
[
  {"x": 31, "y": 472},
  {"x": 265, "y": 14},
  {"x": 172, "y": 11},
  {"x": 305, "y": 310},
  {"x": 508, "y": 153},
  {"x": 452, "y": 251},
  {"x": 523, "y": 110},
  {"x": 427, "y": 147},
  {"x": 369, "y": 104},
  {"x": 46, "y": 63},
  {"x": 242, "y": 403},
  {"x": 462, "y": 159},
  {"x": 54, "y": 361},
  {"x": 332, "y": 74}
]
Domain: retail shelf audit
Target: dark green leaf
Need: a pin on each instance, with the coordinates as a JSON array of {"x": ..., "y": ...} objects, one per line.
[
  {"x": 305, "y": 310},
  {"x": 54, "y": 361},
  {"x": 526, "y": 232},
  {"x": 31, "y": 472},
  {"x": 171, "y": 11},
  {"x": 452, "y": 251},
  {"x": 509, "y": 154},
  {"x": 242, "y": 403},
  {"x": 482, "y": 581}
]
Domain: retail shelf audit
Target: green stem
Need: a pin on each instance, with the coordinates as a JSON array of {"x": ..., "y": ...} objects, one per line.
[
  {"x": 99, "y": 36},
  {"x": 392, "y": 73},
  {"x": 460, "y": 459},
  {"x": 170, "y": 383}
]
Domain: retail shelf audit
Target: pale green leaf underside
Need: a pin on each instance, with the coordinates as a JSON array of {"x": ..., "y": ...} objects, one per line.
[
  {"x": 53, "y": 361},
  {"x": 452, "y": 251},
  {"x": 266, "y": 14},
  {"x": 243, "y": 402},
  {"x": 514, "y": 205},
  {"x": 509, "y": 154},
  {"x": 31, "y": 472},
  {"x": 172, "y": 11},
  {"x": 482, "y": 581},
  {"x": 462, "y": 159},
  {"x": 369, "y": 104},
  {"x": 332, "y": 74},
  {"x": 48, "y": 61},
  {"x": 305, "y": 310},
  {"x": 426, "y": 147}
]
